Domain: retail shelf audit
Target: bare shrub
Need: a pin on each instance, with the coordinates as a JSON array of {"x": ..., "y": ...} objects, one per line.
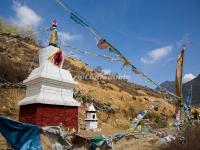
[{"x": 12, "y": 72}]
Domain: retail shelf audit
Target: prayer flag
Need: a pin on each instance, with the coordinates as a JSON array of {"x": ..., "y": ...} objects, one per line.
[
  {"x": 188, "y": 101},
  {"x": 21, "y": 136},
  {"x": 102, "y": 44},
  {"x": 179, "y": 71}
]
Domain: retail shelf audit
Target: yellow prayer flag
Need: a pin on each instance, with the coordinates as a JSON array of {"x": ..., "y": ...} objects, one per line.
[{"x": 179, "y": 72}]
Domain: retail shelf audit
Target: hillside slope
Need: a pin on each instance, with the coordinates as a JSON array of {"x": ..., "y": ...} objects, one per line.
[{"x": 117, "y": 101}]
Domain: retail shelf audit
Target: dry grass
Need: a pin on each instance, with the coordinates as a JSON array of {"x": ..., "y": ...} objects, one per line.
[{"x": 8, "y": 101}]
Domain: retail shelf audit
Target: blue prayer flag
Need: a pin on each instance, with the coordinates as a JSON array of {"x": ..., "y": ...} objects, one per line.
[
  {"x": 21, "y": 136},
  {"x": 188, "y": 101}
]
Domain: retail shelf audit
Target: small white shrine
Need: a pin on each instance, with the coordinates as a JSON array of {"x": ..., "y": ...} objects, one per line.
[{"x": 91, "y": 120}]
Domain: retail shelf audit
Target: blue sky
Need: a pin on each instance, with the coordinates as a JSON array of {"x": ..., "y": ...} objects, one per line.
[{"x": 148, "y": 33}]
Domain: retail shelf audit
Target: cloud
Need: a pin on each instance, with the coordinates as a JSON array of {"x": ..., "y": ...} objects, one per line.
[
  {"x": 188, "y": 77},
  {"x": 25, "y": 16},
  {"x": 156, "y": 54},
  {"x": 64, "y": 36}
]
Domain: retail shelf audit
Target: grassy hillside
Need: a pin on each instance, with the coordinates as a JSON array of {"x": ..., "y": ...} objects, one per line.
[{"x": 117, "y": 100}]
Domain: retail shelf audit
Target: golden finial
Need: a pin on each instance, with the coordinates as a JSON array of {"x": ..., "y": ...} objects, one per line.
[{"x": 54, "y": 37}]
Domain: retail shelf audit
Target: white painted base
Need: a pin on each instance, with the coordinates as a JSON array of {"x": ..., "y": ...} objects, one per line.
[
  {"x": 49, "y": 84},
  {"x": 91, "y": 125}
]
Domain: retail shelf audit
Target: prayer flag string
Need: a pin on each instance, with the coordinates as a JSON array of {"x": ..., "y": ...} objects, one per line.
[
  {"x": 76, "y": 18},
  {"x": 90, "y": 53},
  {"x": 102, "y": 43}
]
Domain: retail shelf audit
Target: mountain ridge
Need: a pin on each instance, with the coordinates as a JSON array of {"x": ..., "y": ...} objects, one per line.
[{"x": 195, "y": 83}]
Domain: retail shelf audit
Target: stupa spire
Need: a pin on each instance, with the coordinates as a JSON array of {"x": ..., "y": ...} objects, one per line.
[{"x": 54, "y": 37}]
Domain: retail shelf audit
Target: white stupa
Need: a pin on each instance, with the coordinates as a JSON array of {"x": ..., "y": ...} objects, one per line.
[
  {"x": 49, "y": 94},
  {"x": 91, "y": 120},
  {"x": 49, "y": 84}
]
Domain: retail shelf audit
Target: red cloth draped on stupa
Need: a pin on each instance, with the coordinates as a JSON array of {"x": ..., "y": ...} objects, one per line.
[{"x": 57, "y": 58}]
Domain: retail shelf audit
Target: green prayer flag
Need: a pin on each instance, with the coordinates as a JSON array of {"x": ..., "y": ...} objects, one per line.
[{"x": 96, "y": 138}]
